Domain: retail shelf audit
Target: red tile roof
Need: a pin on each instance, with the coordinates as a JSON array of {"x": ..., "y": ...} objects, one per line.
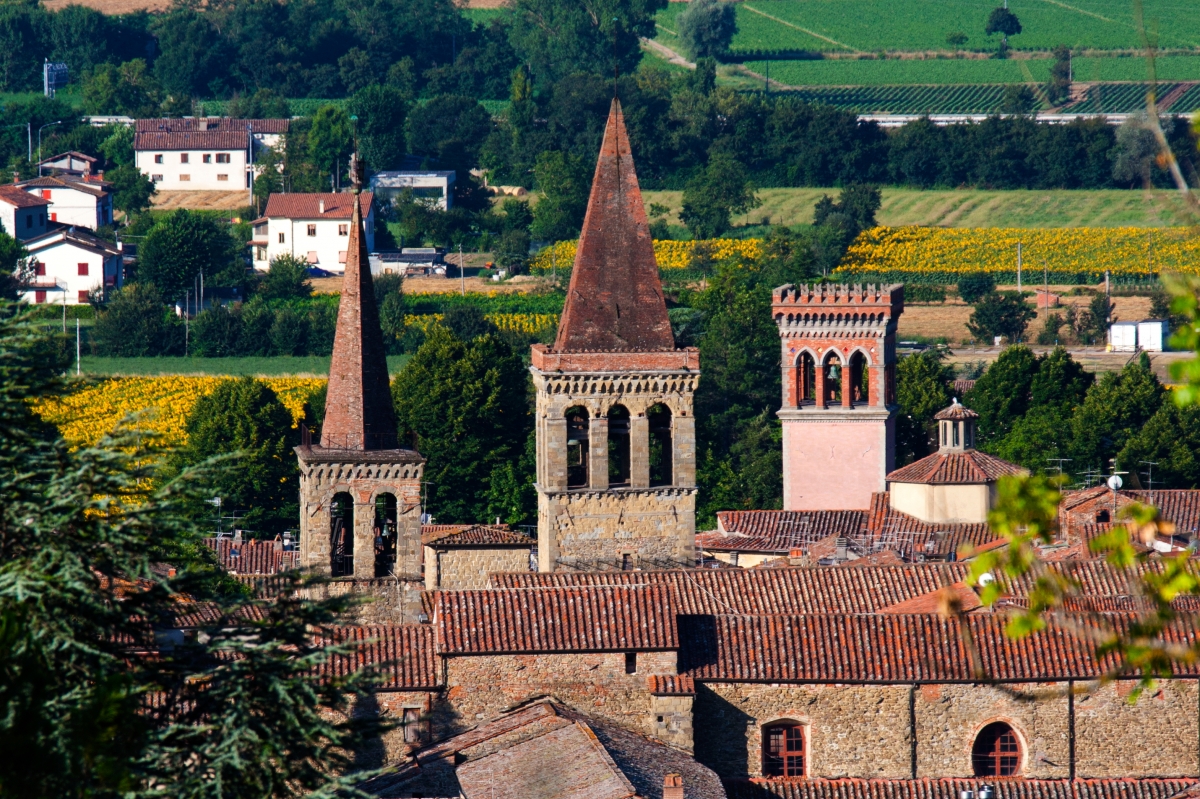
[
  {"x": 938, "y": 601},
  {"x": 670, "y": 685},
  {"x": 963, "y": 386},
  {"x": 843, "y": 648},
  {"x": 252, "y": 557},
  {"x": 20, "y": 198},
  {"x": 955, "y": 413},
  {"x": 474, "y": 536},
  {"x": 955, "y": 468},
  {"x": 1007, "y": 788},
  {"x": 779, "y": 530},
  {"x": 615, "y": 300},
  {"x": 613, "y": 618},
  {"x": 912, "y": 538},
  {"x": 95, "y": 186},
  {"x": 308, "y": 206},
  {"x": 192, "y": 140},
  {"x": 212, "y": 123},
  {"x": 401, "y": 656}
]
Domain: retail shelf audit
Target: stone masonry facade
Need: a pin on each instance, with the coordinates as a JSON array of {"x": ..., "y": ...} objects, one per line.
[{"x": 454, "y": 568}]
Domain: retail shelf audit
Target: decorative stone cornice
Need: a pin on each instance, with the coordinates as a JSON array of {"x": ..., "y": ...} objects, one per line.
[{"x": 587, "y": 384}]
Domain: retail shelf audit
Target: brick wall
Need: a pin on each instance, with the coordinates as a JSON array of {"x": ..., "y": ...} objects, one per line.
[
  {"x": 479, "y": 688},
  {"x": 468, "y": 567}
]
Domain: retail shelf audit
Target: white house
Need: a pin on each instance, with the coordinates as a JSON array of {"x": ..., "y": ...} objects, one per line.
[
  {"x": 436, "y": 188},
  {"x": 81, "y": 201},
  {"x": 68, "y": 163},
  {"x": 70, "y": 264},
  {"x": 312, "y": 227},
  {"x": 23, "y": 215},
  {"x": 207, "y": 154}
]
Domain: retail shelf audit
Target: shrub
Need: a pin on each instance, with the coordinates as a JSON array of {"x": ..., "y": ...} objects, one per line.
[
  {"x": 136, "y": 323},
  {"x": 973, "y": 288}
]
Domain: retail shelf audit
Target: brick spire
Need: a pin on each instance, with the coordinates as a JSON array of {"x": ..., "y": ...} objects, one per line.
[
  {"x": 615, "y": 301},
  {"x": 358, "y": 408}
]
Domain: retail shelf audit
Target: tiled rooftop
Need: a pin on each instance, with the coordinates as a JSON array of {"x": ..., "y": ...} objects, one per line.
[
  {"x": 955, "y": 468},
  {"x": 474, "y": 536},
  {"x": 402, "y": 655},
  {"x": 951, "y": 789},
  {"x": 253, "y": 556}
]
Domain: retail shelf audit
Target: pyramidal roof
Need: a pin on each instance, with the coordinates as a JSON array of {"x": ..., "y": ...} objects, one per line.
[
  {"x": 615, "y": 300},
  {"x": 358, "y": 408}
]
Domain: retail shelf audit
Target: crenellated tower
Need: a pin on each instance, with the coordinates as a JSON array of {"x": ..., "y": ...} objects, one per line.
[
  {"x": 839, "y": 392},
  {"x": 360, "y": 491},
  {"x": 616, "y": 442}
]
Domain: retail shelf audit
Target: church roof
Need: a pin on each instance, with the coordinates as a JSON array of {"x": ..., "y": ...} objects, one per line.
[
  {"x": 615, "y": 300},
  {"x": 358, "y": 408},
  {"x": 955, "y": 468},
  {"x": 956, "y": 413}
]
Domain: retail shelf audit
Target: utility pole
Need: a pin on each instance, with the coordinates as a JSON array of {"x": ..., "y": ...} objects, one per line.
[
  {"x": 78, "y": 349},
  {"x": 1018, "y": 266}
]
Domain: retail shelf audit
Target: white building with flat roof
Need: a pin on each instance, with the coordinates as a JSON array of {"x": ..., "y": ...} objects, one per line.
[
  {"x": 435, "y": 187},
  {"x": 312, "y": 227}
]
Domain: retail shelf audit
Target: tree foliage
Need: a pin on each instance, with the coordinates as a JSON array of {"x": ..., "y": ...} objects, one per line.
[
  {"x": 286, "y": 278},
  {"x": 180, "y": 247},
  {"x": 1003, "y": 314},
  {"x": 135, "y": 323},
  {"x": 922, "y": 389},
  {"x": 707, "y": 27},
  {"x": 564, "y": 182},
  {"x": 714, "y": 195}
]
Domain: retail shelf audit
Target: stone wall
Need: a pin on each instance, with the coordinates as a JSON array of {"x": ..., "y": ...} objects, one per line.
[
  {"x": 868, "y": 731},
  {"x": 386, "y": 600},
  {"x": 479, "y": 688},
  {"x": 460, "y": 568}
]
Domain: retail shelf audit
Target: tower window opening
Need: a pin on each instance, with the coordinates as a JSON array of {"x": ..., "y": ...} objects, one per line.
[
  {"x": 341, "y": 535},
  {"x": 618, "y": 446},
  {"x": 577, "y": 448},
  {"x": 833, "y": 380},
  {"x": 659, "y": 417},
  {"x": 806, "y": 379},
  {"x": 386, "y": 533},
  {"x": 860, "y": 379}
]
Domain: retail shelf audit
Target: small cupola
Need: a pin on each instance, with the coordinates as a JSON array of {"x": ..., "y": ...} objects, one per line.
[{"x": 956, "y": 428}]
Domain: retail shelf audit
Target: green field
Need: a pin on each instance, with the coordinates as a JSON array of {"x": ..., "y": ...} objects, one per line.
[
  {"x": 918, "y": 25},
  {"x": 235, "y": 367},
  {"x": 967, "y": 208}
]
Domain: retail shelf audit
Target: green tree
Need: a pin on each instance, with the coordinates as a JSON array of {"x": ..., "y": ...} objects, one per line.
[
  {"x": 1001, "y": 395},
  {"x": 714, "y": 195},
  {"x": 922, "y": 389},
  {"x": 1057, "y": 389},
  {"x": 191, "y": 52},
  {"x": 136, "y": 323},
  {"x": 127, "y": 89},
  {"x": 330, "y": 140},
  {"x": 15, "y": 268},
  {"x": 1003, "y": 22},
  {"x": 450, "y": 130},
  {"x": 956, "y": 39},
  {"x": 245, "y": 419},
  {"x": 268, "y": 177},
  {"x": 381, "y": 112},
  {"x": 563, "y": 181},
  {"x": 180, "y": 247},
  {"x": 1060, "y": 381},
  {"x": 286, "y": 278},
  {"x": 1171, "y": 441},
  {"x": 706, "y": 28},
  {"x": 131, "y": 189},
  {"x": 975, "y": 286},
  {"x": 1058, "y": 88},
  {"x": 1115, "y": 409},
  {"x": 464, "y": 406},
  {"x": 1001, "y": 313},
  {"x": 263, "y": 104},
  {"x": 1018, "y": 99}
]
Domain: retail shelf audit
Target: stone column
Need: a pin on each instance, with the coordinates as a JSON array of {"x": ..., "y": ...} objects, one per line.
[
  {"x": 639, "y": 451},
  {"x": 552, "y": 454},
  {"x": 791, "y": 380},
  {"x": 598, "y": 453},
  {"x": 847, "y": 384},
  {"x": 364, "y": 536},
  {"x": 408, "y": 540},
  {"x": 683, "y": 450}
]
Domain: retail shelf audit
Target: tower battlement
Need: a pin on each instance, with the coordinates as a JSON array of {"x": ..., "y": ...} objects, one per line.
[{"x": 826, "y": 294}]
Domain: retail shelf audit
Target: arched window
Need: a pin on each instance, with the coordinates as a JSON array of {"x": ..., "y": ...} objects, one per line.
[
  {"x": 618, "y": 446},
  {"x": 806, "y": 379},
  {"x": 860, "y": 379},
  {"x": 1102, "y": 517},
  {"x": 997, "y": 751},
  {"x": 385, "y": 534},
  {"x": 783, "y": 750},
  {"x": 341, "y": 535},
  {"x": 833, "y": 380},
  {"x": 659, "y": 417},
  {"x": 577, "y": 447}
]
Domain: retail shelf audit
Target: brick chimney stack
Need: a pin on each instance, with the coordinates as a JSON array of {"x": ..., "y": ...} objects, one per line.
[{"x": 673, "y": 786}]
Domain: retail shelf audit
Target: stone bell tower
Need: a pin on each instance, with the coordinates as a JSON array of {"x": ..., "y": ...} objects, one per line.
[
  {"x": 616, "y": 444},
  {"x": 839, "y": 392},
  {"x": 360, "y": 492}
]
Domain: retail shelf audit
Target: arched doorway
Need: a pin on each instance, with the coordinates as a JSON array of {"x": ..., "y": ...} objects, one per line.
[
  {"x": 577, "y": 447},
  {"x": 386, "y": 531},
  {"x": 341, "y": 535},
  {"x": 833, "y": 379},
  {"x": 618, "y": 446},
  {"x": 659, "y": 417},
  {"x": 860, "y": 379}
]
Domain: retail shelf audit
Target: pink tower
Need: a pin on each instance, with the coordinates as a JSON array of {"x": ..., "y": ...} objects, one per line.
[{"x": 839, "y": 392}]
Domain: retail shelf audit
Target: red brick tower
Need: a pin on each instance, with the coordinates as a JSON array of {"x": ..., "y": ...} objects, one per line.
[
  {"x": 616, "y": 452},
  {"x": 839, "y": 392},
  {"x": 360, "y": 493}
]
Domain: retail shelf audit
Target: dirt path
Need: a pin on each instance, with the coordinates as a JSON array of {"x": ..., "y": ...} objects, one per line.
[{"x": 667, "y": 54}]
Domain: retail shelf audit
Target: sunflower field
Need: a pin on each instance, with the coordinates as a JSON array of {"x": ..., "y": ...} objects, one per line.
[
  {"x": 669, "y": 254},
  {"x": 1069, "y": 255},
  {"x": 85, "y": 415}
]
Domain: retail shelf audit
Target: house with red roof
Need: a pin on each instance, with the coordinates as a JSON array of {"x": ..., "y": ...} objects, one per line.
[{"x": 314, "y": 227}]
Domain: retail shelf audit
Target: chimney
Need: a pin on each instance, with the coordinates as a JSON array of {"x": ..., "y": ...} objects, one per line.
[
  {"x": 321, "y": 207},
  {"x": 202, "y": 123},
  {"x": 841, "y": 546},
  {"x": 673, "y": 786}
]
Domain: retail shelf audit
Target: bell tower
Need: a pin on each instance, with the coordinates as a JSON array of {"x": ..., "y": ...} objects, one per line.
[
  {"x": 839, "y": 392},
  {"x": 616, "y": 442},
  {"x": 360, "y": 492}
]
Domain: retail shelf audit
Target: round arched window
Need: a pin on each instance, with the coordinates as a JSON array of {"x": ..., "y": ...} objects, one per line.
[
  {"x": 997, "y": 751},
  {"x": 783, "y": 750}
]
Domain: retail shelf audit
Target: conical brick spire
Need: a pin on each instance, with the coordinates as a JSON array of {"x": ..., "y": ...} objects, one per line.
[
  {"x": 615, "y": 301},
  {"x": 358, "y": 408}
]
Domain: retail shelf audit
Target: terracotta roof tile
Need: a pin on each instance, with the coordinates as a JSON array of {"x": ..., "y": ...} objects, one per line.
[
  {"x": 1008, "y": 788},
  {"x": 192, "y": 140},
  {"x": 888, "y": 649},
  {"x": 338, "y": 205},
  {"x": 95, "y": 187},
  {"x": 401, "y": 656},
  {"x": 779, "y": 530},
  {"x": 956, "y": 413},
  {"x": 213, "y": 123},
  {"x": 670, "y": 685},
  {"x": 936, "y": 601},
  {"x": 955, "y": 468},
  {"x": 612, "y": 618},
  {"x": 12, "y": 195},
  {"x": 615, "y": 299},
  {"x": 253, "y": 557},
  {"x": 963, "y": 386},
  {"x": 913, "y": 538},
  {"x": 474, "y": 536}
]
